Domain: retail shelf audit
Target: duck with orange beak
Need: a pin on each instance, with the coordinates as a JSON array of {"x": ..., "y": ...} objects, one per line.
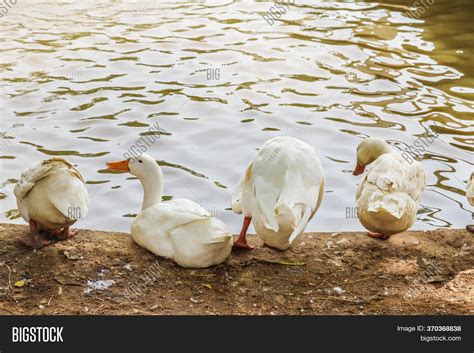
[
  {"x": 178, "y": 229},
  {"x": 389, "y": 196}
]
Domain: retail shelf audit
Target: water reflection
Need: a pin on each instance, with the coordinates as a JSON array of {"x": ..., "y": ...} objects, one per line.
[{"x": 86, "y": 80}]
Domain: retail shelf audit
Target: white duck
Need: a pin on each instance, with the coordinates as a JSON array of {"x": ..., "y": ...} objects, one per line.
[
  {"x": 389, "y": 197},
  {"x": 178, "y": 229},
  {"x": 51, "y": 196},
  {"x": 470, "y": 198},
  {"x": 280, "y": 192}
]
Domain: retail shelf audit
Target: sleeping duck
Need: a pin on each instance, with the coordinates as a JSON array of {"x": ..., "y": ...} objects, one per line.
[
  {"x": 280, "y": 191},
  {"x": 389, "y": 196},
  {"x": 51, "y": 196}
]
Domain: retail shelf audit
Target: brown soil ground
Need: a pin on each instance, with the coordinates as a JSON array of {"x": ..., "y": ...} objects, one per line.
[{"x": 341, "y": 273}]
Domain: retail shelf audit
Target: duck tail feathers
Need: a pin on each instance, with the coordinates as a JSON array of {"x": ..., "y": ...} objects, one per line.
[
  {"x": 387, "y": 206},
  {"x": 301, "y": 224}
]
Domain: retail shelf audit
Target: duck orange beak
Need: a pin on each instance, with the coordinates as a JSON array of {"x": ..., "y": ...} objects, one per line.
[
  {"x": 359, "y": 169},
  {"x": 120, "y": 166}
]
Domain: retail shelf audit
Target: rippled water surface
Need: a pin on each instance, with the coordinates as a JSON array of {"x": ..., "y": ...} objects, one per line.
[{"x": 85, "y": 80}]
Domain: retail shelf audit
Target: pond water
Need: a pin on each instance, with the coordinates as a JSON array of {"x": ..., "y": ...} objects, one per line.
[{"x": 85, "y": 80}]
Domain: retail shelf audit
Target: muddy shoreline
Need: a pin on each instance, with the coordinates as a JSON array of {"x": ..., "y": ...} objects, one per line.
[{"x": 100, "y": 273}]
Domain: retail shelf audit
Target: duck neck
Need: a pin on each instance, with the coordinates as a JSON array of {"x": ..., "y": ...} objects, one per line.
[
  {"x": 152, "y": 187},
  {"x": 381, "y": 149},
  {"x": 374, "y": 149}
]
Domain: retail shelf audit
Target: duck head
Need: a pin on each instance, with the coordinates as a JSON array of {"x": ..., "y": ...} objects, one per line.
[
  {"x": 141, "y": 166},
  {"x": 368, "y": 151},
  {"x": 145, "y": 168}
]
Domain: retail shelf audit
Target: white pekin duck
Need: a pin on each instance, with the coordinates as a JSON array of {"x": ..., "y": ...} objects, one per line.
[
  {"x": 178, "y": 229},
  {"x": 389, "y": 196},
  {"x": 470, "y": 198},
  {"x": 280, "y": 192},
  {"x": 51, "y": 196}
]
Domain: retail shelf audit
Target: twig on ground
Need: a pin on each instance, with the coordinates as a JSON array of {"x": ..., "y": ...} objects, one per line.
[
  {"x": 96, "y": 310},
  {"x": 268, "y": 299},
  {"x": 9, "y": 286},
  {"x": 356, "y": 281},
  {"x": 413, "y": 307},
  {"x": 340, "y": 299},
  {"x": 287, "y": 262},
  {"x": 322, "y": 304},
  {"x": 319, "y": 285}
]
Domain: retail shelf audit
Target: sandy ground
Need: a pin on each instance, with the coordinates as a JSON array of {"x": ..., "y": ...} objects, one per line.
[{"x": 340, "y": 273}]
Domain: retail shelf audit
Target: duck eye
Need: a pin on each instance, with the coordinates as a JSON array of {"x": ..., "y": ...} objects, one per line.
[{"x": 140, "y": 161}]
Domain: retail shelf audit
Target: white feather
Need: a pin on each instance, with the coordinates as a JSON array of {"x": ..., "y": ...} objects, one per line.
[
  {"x": 389, "y": 196},
  {"x": 52, "y": 193},
  {"x": 182, "y": 230},
  {"x": 281, "y": 190}
]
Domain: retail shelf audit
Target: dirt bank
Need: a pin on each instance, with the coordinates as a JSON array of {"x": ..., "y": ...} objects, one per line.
[{"x": 340, "y": 273}]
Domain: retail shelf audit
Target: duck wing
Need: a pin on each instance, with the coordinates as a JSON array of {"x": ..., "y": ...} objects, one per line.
[
  {"x": 392, "y": 179},
  {"x": 286, "y": 179},
  {"x": 70, "y": 193}
]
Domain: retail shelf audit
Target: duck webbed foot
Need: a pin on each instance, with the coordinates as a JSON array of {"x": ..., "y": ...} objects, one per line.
[
  {"x": 378, "y": 235},
  {"x": 241, "y": 242},
  {"x": 66, "y": 233},
  {"x": 37, "y": 238}
]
